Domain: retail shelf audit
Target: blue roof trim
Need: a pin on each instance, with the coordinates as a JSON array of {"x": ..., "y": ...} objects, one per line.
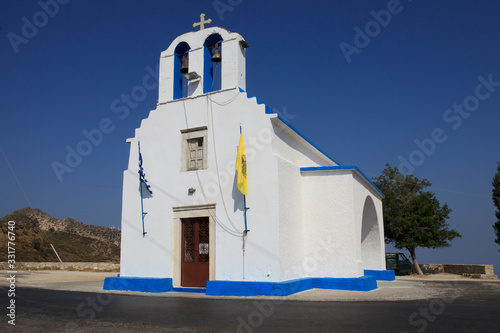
[
  {"x": 303, "y": 137},
  {"x": 339, "y": 167},
  {"x": 343, "y": 167},
  {"x": 270, "y": 111}
]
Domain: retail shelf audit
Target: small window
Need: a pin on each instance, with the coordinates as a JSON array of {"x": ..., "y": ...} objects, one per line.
[
  {"x": 194, "y": 149},
  {"x": 195, "y": 154}
]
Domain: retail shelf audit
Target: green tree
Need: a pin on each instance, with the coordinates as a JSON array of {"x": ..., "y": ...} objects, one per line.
[
  {"x": 412, "y": 217},
  {"x": 496, "y": 201}
]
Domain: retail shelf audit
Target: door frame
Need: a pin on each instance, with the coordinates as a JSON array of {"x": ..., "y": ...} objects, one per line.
[{"x": 185, "y": 212}]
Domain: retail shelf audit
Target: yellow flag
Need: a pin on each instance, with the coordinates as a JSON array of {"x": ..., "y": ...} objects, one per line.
[{"x": 241, "y": 167}]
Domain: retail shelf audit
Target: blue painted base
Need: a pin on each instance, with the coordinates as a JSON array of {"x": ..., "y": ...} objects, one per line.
[
  {"x": 247, "y": 288},
  {"x": 387, "y": 275},
  {"x": 363, "y": 283},
  {"x": 148, "y": 285},
  {"x": 189, "y": 290}
]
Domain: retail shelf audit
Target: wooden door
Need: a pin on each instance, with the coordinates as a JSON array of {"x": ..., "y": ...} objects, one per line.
[{"x": 194, "y": 254}]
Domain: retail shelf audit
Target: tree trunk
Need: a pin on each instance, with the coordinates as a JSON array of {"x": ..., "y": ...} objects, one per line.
[{"x": 414, "y": 259}]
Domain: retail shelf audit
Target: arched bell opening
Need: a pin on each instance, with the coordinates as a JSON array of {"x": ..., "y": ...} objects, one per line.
[
  {"x": 212, "y": 78},
  {"x": 181, "y": 67}
]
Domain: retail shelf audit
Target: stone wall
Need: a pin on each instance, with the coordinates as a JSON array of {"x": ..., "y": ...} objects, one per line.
[
  {"x": 484, "y": 271},
  {"x": 464, "y": 269},
  {"x": 70, "y": 266},
  {"x": 432, "y": 268}
]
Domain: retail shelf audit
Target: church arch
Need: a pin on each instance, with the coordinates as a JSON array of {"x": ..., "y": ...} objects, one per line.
[
  {"x": 180, "y": 82},
  {"x": 212, "y": 72},
  {"x": 370, "y": 236}
]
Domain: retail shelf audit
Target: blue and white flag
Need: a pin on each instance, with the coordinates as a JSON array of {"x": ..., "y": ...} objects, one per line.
[{"x": 142, "y": 175}]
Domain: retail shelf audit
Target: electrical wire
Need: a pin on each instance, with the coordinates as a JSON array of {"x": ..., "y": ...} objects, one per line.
[
  {"x": 216, "y": 160},
  {"x": 235, "y": 231},
  {"x": 15, "y": 177}
]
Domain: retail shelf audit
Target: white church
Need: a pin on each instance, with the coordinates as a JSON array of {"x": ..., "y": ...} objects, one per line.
[{"x": 310, "y": 222}]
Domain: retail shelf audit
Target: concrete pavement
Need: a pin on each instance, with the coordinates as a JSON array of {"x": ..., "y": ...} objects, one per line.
[
  {"x": 43, "y": 310},
  {"x": 404, "y": 288}
]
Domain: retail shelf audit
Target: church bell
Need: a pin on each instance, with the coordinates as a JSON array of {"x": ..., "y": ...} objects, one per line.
[
  {"x": 216, "y": 56},
  {"x": 185, "y": 64}
]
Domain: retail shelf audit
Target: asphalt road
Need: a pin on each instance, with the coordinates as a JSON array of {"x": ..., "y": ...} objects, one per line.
[{"x": 38, "y": 310}]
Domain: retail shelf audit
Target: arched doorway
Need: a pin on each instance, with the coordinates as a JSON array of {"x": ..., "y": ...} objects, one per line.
[{"x": 370, "y": 237}]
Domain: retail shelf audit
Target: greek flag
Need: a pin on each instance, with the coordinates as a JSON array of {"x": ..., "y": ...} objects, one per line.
[{"x": 142, "y": 175}]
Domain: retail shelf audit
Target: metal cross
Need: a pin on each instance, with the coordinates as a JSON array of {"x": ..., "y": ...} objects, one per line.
[{"x": 202, "y": 22}]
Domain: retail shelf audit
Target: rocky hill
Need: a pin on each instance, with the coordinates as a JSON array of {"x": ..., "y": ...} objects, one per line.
[{"x": 74, "y": 241}]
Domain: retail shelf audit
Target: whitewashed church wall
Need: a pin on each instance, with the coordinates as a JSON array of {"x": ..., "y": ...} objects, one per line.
[
  {"x": 160, "y": 146},
  {"x": 376, "y": 255},
  {"x": 262, "y": 244},
  {"x": 291, "y": 147},
  {"x": 329, "y": 231},
  {"x": 196, "y": 65},
  {"x": 290, "y": 220},
  {"x": 166, "y": 80},
  {"x": 234, "y": 66},
  {"x": 141, "y": 256},
  {"x": 149, "y": 256},
  {"x": 359, "y": 201}
]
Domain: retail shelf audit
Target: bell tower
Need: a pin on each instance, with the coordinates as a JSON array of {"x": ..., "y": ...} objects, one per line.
[{"x": 202, "y": 62}]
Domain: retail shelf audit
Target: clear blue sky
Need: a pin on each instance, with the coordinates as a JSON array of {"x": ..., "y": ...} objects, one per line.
[{"x": 396, "y": 89}]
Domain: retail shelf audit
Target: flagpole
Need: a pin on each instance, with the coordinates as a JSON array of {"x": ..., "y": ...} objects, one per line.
[
  {"x": 142, "y": 203},
  {"x": 245, "y": 211},
  {"x": 142, "y": 210},
  {"x": 245, "y": 208}
]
